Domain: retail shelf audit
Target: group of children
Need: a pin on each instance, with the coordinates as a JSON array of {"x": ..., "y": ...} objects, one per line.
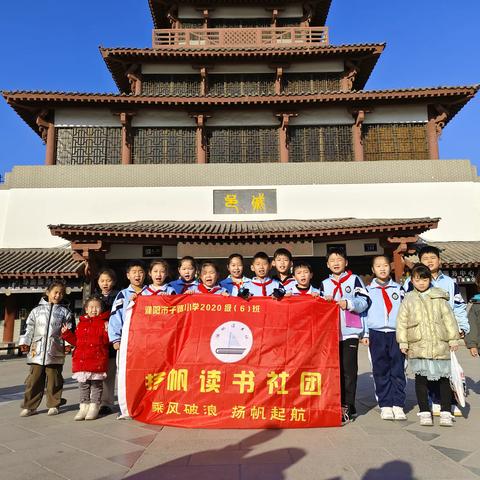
[{"x": 424, "y": 325}]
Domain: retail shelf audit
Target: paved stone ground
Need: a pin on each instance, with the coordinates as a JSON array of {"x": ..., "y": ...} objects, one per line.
[{"x": 52, "y": 448}]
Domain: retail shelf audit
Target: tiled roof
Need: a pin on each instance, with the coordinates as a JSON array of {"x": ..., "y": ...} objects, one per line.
[
  {"x": 39, "y": 262},
  {"x": 119, "y": 60},
  {"x": 24, "y": 102},
  {"x": 459, "y": 254},
  {"x": 245, "y": 230}
]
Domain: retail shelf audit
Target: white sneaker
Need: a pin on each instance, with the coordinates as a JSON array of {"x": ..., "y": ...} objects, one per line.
[
  {"x": 386, "y": 413},
  {"x": 456, "y": 412},
  {"x": 52, "y": 411},
  {"x": 446, "y": 419},
  {"x": 399, "y": 414},
  {"x": 93, "y": 410},
  {"x": 425, "y": 419},
  {"x": 82, "y": 412},
  {"x": 27, "y": 413},
  {"x": 436, "y": 409}
]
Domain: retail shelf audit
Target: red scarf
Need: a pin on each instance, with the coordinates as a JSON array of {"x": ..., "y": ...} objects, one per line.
[
  {"x": 338, "y": 284},
  {"x": 203, "y": 289},
  {"x": 287, "y": 281},
  {"x": 186, "y": 286},
  {"x": 386, "y": 299},
  {"x": 155, "y": 292},
  {"x": 263, "y": 285}
]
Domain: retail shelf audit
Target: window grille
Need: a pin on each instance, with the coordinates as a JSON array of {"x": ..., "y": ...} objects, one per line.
[
  {"x": 237, "y": 85},
  {"x": 243, "y": 145},
  {"x": 395, "y": 141},
  {"x": 175, "y": 85},
  {"x": 88, "y": 145},
  {"x": 164, "y": 145},
  {"x": 298, "y": 83},
  {"x": 326, "y": 143}
]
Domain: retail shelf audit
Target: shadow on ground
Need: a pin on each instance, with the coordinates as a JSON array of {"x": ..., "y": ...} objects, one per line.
[{"x": 183, "y": 468}]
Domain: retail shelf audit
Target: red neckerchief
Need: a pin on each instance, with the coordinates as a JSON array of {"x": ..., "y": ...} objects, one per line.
[
  {"x": 287, "y": 281},
  {"x": 203, "y": 289},
  {"x": 263, "y": 285},
  {"x": 239, "y": 284},
  {"x": 386, "y": 298},
  {"x": 338, "y": 285},
  {"x": 155, "y": 292},
  {"x": 186, "y": 286}
]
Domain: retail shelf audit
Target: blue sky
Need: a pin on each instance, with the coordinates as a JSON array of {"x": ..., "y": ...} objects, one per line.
[{"x": 53, "y": 45}]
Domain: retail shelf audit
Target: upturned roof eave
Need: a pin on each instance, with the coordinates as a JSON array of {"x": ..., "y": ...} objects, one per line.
[
  {"x": 28, "y": 104},
  {"x": 119, "y": 59}
]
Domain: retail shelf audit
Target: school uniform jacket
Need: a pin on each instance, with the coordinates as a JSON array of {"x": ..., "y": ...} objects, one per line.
[
  {"x": 286, "y": 283},
  {"x": 181, "y": 286},
  {"x": 117, "y": 315},
  {"x": 262, "y": 287},
  {"x": 351, "y": 288},
  {"x": 296, "y": 291},
  {"x": 385, "y": 303},
  {"x": 455, "y": 298}
]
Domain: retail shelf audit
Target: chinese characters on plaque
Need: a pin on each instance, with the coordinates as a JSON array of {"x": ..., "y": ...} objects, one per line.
[{"x": 241, "y": 202}]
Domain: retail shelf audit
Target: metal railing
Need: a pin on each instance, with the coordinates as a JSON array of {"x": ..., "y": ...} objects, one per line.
[{"x": 239, "y": 37}]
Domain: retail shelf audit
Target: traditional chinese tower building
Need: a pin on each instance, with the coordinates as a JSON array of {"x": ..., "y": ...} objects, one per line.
[
  {"x": 226, "y": 86},
  {"x": 240, "y": 82}
]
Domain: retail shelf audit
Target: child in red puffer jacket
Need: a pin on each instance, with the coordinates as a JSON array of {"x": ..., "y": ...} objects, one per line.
[{"x": 90, "y": 357}]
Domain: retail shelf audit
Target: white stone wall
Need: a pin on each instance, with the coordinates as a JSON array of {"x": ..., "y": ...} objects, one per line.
[
  {"x": 327, "y": 115},
  {"x": 25, "y": 213}
]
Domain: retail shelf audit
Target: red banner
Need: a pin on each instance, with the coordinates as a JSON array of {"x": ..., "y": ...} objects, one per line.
[{"x": 210, "y": 361}]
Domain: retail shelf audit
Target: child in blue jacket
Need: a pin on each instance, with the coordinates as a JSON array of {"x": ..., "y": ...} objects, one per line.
[{"x": 388, "y": 362}]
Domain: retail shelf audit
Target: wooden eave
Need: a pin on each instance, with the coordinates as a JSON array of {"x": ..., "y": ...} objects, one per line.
[
  {"x": 273, "y": 230},
  {"x": 119, "y": 60},
  {"x": 160, "y": 8},
  {"x": 29, "y": 104}
]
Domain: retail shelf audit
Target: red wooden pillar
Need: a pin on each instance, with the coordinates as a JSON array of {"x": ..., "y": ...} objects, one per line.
[
  {"x": 359, "y": 117},
  {"x": 436, "y": 121},
  {"x": 200, "y": 138},
  {"x": 283, "y": 135},
  {"x": 278, "y": 80},
  {"x": 126, "y": 122},
  {"x": 47, "y": 131},
  {"x": 9, "y": 318}
]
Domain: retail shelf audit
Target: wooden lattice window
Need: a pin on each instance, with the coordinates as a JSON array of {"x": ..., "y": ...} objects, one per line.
[
  {"x": 395, "y": 141},
  {"x": 175, "y": 85},
  {"x": 243, "y": 145},
  {"x": 164, "y": 145},
  {"x": 298, "y": 83},
  {"x": 241, "y": 84},
  {"x": 325, "y": 143},
  {"x": 88, "y": 145}
]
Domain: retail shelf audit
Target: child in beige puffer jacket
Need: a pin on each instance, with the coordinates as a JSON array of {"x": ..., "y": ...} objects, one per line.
[{"x": 426, "y": 333}]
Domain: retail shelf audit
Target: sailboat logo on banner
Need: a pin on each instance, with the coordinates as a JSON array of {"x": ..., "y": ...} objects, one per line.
[{"x": 231, "y": 342}]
